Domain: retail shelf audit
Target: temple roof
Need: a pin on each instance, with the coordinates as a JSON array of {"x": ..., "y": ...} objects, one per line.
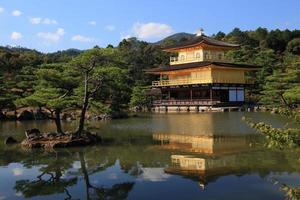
[
  {"x": 201, "y": 64},
  {"x": 201, "y": 39}
]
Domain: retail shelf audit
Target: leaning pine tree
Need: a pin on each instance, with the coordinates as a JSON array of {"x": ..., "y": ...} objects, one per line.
[{"x": 91, "y": 81}]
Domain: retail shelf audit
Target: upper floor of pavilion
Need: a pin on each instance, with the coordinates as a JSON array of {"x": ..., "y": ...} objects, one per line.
[{"x": 200, "y": 48}]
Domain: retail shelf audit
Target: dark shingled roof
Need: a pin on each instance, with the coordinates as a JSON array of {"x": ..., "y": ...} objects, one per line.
[
  {"x": 202, "y": 39},
  {"x": 201, "y": 64}
]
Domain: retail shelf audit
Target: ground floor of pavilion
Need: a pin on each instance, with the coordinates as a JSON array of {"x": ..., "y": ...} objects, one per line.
[{"x": 196, "y": 96}]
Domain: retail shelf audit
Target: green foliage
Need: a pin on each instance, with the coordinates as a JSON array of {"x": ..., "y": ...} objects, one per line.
[
  {"x": 220, "y": 36},
  {"x": 139, "y": 56},
  {"x": 115, "y": 91},
  {"x": 291, "y": 193},
  {"x": 25, "y": 77},
  {"x": 26, "y": 80},
  {"x": 54, "y": 88},
  {"x": 239, "y": 37},
  {"x": 278, "y": 138},
  {"x": 140, "y": 97},
  {"x": 281, "y": 88},
  {"x": 6, "y": 97},
  {"x": 61, "y": 56},
  {"x": 294, "y": 46},
  {"x": 12, "y": 59}
]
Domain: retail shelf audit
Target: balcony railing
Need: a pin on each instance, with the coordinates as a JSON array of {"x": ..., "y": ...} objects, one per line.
[
  {"x": 193, "y": 102},
  {"x": 190, "y": 81},
  {"x": 180, "y": 60}
]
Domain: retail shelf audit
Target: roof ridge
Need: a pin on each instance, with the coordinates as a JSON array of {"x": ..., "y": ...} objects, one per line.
[{"x": 201, "y": 39}]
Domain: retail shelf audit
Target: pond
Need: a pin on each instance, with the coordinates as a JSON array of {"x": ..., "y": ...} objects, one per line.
[{"x": 153, "y": 156}]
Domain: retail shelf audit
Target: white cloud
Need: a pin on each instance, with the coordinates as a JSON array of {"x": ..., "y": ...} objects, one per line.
[
  {"x": 39, "y": 20},
  {"x": 49, "y": 21},
  {"x": 1, "y": 9},
  {"x": 110, "y": 27},
  {"x": 151, "y": 30},
  {"x": 16, "y": 13},
  {"x": 52, "y": 37},
  {"x": 81, "y": 38},
  {"x": 17, "y": 171},
  {"x": 35, "y": 20},
  {"x": 153, "y": 174},
  {"x": 18, "y": 194},
  {"x": 92, "y": 23},
  {"x": 125, "y": 36},
  {"x": 15, "y": 35},
  {"x": 112, "y": 176}
]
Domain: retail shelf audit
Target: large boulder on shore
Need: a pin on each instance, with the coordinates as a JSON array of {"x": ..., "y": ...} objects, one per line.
[
  {"x": 3, "y": 116},
  {"x": 10, "y": 140},
  {"x": 25, "y": 115}
]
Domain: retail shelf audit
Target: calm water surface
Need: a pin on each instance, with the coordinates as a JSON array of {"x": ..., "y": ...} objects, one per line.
[{"x": 159, "y": 156}]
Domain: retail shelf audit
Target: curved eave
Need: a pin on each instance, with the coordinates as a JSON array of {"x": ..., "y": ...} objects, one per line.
[
  {"x": 200, "y": 44},
  {"x": 203, "y": 64}
]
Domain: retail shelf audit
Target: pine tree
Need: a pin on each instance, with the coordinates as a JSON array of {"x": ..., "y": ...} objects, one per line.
[{"x": 54, "y": 91}]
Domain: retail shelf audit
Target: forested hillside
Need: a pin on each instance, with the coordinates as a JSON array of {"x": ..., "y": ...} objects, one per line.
[{"x": 24, "y": 72}]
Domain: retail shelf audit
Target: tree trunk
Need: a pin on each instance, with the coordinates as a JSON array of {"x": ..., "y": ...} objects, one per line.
[
  {"x": 284, "y": 101},
  {"x": 84, "y": 106},
  {"x": 58, "y": 122}
]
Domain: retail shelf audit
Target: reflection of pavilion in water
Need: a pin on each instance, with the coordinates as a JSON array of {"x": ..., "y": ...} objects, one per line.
[
  {"x": 212, "y": 145},
  {"x": 203, "y": 124},
  {"x": 218, "y": 154}
]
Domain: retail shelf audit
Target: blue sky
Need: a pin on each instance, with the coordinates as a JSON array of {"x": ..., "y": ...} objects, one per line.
[{"x": 50, "y": 25}]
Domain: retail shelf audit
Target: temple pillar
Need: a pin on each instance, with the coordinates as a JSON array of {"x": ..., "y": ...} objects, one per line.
[{"x": 210, "y": 92}]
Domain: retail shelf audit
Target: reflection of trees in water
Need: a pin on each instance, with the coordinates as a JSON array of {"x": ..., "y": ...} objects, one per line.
[
  {"x": 291, "y": 193},
  {"x": 57, "y": 176},
  {"x": 52, "y": 178},
  {"x": 117, "y": 191}
]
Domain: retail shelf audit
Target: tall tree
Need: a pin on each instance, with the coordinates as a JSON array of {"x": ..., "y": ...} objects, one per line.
[{"x": 90, "y": 82}]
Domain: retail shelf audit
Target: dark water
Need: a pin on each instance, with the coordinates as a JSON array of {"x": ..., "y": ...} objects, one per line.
[{"x": 175, "y": 156}]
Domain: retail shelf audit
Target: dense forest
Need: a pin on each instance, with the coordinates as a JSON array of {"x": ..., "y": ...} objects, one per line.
[{"x": 52, "y": 81}]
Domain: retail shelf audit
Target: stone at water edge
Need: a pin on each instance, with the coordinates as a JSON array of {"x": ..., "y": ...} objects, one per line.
[
  {"x": 32, "y": 133},
  {"x": 10, "y": 140},
  {"x": 3, "y": 116},
  {"x": 25, "y": 115}
]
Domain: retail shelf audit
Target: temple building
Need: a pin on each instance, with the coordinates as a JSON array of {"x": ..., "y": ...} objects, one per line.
[{"x": 200, "y": 77}]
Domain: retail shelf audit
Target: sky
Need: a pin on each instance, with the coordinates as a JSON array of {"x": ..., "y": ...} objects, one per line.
[{"x": 51, "y": 25}]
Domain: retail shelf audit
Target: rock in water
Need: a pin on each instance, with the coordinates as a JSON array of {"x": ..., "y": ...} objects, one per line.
[
  {"x": 93, "y": 137},
  {"x": 10, "y": 140},
  {"x": 32, "y": 133}
]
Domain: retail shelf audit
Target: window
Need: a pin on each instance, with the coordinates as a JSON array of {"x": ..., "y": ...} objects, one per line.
[
  {"x": 206, "y": 55},
  {"x": 198, "y": 55},
  {"x": 182, "y": 57},
  {"x": 220, "y": 56},
  {"x": 240, "y": 95},
  {"x": 232, "y": 95}
]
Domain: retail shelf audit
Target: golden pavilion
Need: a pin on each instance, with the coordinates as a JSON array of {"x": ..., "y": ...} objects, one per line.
[{"x": 200, "y": 77}]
